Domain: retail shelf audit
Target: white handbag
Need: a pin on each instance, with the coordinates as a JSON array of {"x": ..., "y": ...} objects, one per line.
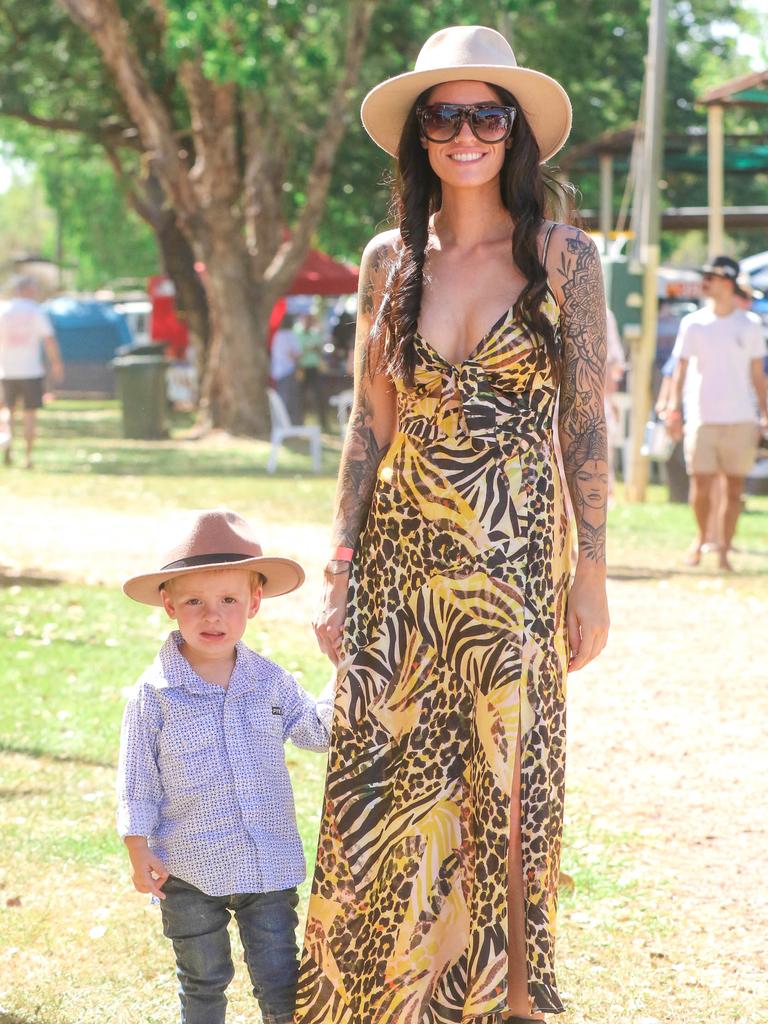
[{"x": 657, "y": 444}]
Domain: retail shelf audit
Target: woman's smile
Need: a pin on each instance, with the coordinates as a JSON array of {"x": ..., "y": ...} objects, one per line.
[{"x": 463, "y": 156}]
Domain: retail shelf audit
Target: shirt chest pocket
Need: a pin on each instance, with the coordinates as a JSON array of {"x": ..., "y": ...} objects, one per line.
[
  {"x": 266, "y": 722},
  {"x": 191, "y": 750}
]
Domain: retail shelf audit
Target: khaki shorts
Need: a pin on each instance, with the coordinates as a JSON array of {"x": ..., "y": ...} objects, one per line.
[{"x": 728, "y": 448}]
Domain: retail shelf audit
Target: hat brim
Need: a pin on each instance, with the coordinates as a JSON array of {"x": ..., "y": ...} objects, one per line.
[
  {"x": 282, "y": 575},
  {"x": 717, "y": 272},
  {"x": 544, "y": 102}
]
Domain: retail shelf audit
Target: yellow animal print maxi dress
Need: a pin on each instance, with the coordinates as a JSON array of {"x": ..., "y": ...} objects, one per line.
[{"x": 455, "y": 647}]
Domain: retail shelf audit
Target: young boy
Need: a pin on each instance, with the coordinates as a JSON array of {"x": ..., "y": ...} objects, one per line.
[{"x": 204, "y": 799}]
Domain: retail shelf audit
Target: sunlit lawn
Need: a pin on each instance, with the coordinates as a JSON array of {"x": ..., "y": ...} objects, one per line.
[
  {"x": 69, "y": 653},
  {"x": 77, "y": 946}
]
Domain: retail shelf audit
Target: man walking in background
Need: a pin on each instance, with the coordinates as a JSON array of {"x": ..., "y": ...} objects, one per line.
[
  {"x": 284, "y": 360},
  {"x": 720, "y": 351},
  {"x": 25, "y": 331}
]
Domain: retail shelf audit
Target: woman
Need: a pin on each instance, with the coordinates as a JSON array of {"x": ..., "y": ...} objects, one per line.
[{"x": 435, "y": 888}]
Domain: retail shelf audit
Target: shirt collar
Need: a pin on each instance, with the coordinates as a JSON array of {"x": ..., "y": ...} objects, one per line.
[
  {"x": 246, "y": 677},
  {"x": 174, "y": 670}
]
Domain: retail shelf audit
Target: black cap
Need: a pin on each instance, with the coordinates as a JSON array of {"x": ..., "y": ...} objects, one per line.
[{"x": 722, "y": 266}]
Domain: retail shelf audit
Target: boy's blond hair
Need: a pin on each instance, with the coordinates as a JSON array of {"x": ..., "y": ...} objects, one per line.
[{"x": 256, "y": 579}]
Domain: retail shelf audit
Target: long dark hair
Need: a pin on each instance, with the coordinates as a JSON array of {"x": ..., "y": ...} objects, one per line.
[{"x": 417, "y": 194}]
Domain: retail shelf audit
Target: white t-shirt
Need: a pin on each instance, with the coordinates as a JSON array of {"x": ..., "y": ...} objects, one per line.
[
  {"x": 286, "y": 349},
  {"x": 23, "y": 325},
  {"x": 720, "y": 351}
]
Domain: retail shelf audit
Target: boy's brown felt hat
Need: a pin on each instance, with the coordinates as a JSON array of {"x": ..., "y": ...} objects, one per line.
[{"x": 218, "y": 539}]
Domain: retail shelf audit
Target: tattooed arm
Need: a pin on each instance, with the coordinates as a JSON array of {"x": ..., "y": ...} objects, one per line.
[
  {"x": 370, "y": 431},
  {"x": 576, "y": 277}
]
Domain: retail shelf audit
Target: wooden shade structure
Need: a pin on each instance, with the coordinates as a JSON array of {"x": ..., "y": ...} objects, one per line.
[{"x": 746, "y": 91}]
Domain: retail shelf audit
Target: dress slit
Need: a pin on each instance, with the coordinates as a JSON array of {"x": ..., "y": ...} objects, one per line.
[{"x": 518, "y": 992}]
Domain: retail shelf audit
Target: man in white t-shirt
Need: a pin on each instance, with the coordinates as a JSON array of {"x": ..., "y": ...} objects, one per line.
[
  {"x": 720, "y": 351},
  {"x": 25, "y": 331}
]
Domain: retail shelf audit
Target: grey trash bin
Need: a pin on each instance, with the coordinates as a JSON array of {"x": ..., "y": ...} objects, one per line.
[{"x": 140, "y": 381}]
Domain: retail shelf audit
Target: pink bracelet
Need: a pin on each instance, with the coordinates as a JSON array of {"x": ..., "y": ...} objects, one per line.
[{"x": 342, "y": 554}]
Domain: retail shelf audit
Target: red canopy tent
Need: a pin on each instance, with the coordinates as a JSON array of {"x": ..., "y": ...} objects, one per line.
[{"x": 320, "y": 274}]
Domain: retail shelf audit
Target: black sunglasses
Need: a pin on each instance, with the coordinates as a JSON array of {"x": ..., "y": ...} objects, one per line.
[{"x": 488, "y": 122}]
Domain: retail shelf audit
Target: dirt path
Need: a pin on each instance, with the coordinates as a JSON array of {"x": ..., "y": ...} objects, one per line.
[
  {"x": 666, "y": 742},
  {"x": 667, "y": 739}
]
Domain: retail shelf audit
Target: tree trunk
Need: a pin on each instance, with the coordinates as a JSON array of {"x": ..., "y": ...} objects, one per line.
[
  {"x": 147, "y": 199},
  {"x": 191, "y": 301},
  {"x": 234, "y": 393},
  {"x": 207, "y": 196}
]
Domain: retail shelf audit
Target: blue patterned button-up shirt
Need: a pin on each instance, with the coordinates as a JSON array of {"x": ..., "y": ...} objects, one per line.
[{"x": 202, "y": 771}]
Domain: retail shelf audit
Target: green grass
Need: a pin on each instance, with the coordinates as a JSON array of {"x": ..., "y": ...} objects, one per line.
[
  {"x": 656, "y": 533},
  {"x": 69, "y": 652},
  {"x": 81, "y": 458}
]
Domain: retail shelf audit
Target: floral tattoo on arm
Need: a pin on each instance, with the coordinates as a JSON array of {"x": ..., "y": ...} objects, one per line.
[
  {"x": 582, "y": 413},
  {"x": 363, "y": 451}
]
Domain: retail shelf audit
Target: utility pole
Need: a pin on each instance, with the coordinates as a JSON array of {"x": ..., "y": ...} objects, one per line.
[
  {"x": 648, "y": 244},
  {"x": 715, "y": 185}
]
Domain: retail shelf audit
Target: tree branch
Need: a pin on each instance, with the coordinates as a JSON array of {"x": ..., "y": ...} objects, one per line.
[
  {"x": 149, "y": 212},
  {"x": 290, "y": 254},
  {"x": 102, "y": 21},
  {"x": 161, "y": 14},
  {"x": 215, "y": 174},
  {"x": 263, "y": 176},
  {"x": 107, "y": 132}
]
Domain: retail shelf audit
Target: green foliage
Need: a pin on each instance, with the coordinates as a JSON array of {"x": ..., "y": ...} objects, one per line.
[
  {"x": 288, "y": 52},
  {"x": 101, "y": 236},
  {"x": 247, "y": 43},
  {"x": 27, "y": 223},
  {"x": 595, "y": 48}
]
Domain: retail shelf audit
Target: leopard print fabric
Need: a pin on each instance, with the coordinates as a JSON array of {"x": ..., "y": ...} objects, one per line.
[{"x": 455, "y": 651}]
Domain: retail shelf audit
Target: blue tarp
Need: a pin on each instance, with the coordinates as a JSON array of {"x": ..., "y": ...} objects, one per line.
[{"x": 87, "y": 331}]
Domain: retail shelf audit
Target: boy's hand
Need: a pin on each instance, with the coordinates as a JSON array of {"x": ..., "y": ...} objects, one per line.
[{"x": 148, "y": 871}]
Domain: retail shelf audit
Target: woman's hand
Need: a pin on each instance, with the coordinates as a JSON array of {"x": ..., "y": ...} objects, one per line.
[
  {"x": 587, "y": 618},
  {"x": 329, "y": 622}
]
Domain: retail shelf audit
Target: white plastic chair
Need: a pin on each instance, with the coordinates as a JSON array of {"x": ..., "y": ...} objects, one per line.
[
  {"x": 343, "y": 403},
  {"x": 283, "y": 428}
]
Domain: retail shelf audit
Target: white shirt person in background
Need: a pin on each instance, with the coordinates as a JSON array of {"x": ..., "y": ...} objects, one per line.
[
  {"x": 284, "y": 361},
  {"x": 720, "y": 350},
  {"x": 25, "y": 331}
]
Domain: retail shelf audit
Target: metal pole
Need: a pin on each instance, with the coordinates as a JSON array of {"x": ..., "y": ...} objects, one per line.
[
  {"x": 606, "y": 196},
  {"x": 715, "y": 186},
  {"x": 643, "y": 352}
]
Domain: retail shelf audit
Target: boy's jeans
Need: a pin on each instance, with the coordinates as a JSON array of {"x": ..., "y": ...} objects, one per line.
[{"x": 197, "y": 925}]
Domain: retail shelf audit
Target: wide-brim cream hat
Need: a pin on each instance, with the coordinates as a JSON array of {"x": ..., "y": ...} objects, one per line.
[
  {"x": 474, "y": 53},
  {"x": 218, "y": 539}
]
